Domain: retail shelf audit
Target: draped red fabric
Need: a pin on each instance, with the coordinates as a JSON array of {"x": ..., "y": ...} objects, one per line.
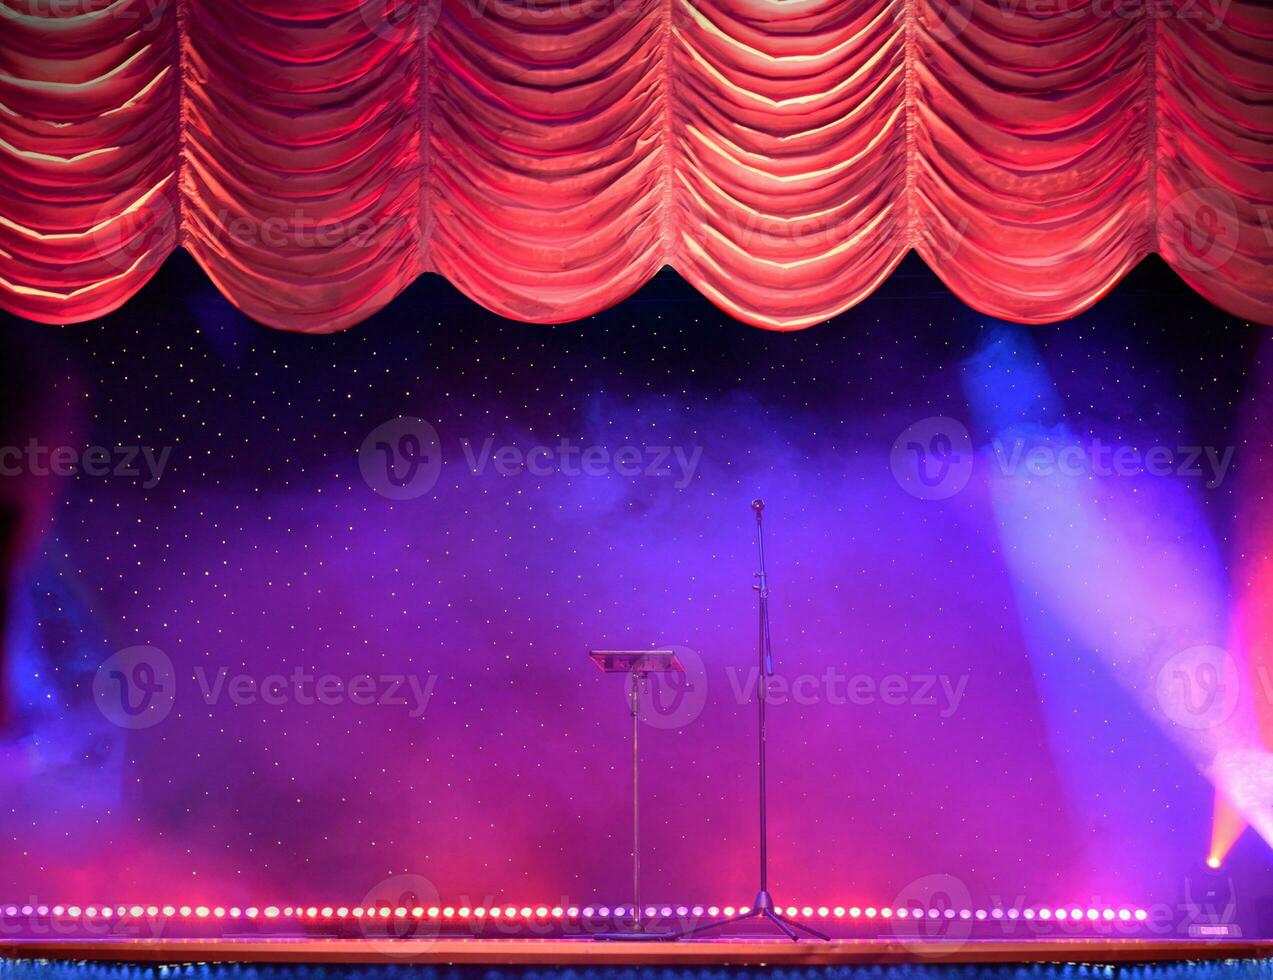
[{"x": 315, "y": 156}]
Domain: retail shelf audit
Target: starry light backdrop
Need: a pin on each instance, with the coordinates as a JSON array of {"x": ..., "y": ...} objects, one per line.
[{"x": 1045, "y": 606}]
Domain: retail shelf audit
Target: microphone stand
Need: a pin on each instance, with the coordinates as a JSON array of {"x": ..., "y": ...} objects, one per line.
[{"x": 763, "y": 907}]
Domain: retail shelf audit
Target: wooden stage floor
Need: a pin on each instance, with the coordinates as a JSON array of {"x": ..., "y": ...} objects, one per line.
[{"x": 584, "y": 952}]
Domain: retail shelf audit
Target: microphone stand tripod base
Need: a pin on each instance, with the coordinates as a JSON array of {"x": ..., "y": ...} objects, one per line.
[{"x": 762, "y": 909}]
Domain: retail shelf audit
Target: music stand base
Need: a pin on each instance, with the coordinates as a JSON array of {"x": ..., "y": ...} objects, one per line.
[
  {"x": 762, "y": 908},
  {"x": 635, "y": 937}
]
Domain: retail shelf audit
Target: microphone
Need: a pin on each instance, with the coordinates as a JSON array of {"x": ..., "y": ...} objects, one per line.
[{"x": 757, "y": 505}]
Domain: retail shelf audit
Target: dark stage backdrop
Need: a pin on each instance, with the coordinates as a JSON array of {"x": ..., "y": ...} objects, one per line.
[{"x": 992, "y": 550}]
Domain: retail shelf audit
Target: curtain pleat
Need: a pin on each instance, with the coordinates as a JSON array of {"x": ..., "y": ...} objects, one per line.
[{"x": 548, "y": 158}]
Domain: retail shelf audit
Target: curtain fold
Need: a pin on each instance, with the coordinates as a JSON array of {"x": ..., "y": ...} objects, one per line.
[{"x": 548, "y": 158}]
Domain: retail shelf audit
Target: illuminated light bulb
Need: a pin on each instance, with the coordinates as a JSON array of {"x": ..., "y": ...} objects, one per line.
[
  {"x": 479, "y": 913},
  {"x": 728, "y": 910},
  {"x": 1076, "y": 914},
  {"x": 1012, "y": 913},
  {"x": 807, "y": 912},
  {"x": 744, "y": 910},
  {"x": 169, "y": 911},
  {"x": 713, "y": 911},
  {"x": 1141, "y": 915},
  {"x": 588, "y": 912},
  {"x": 933, "y": 913},
  {"x": 357, "y": 913},
  {"x": 219, "y": 912},
  {"x": 950, "y": 913},
  {"x": 682, "y": 911},
  {"x": 1093, "y": 914},
  {"x": 870, "y": 913},
  {"x": 823, "y": 911},
  {"x": 886, "y": 913},
  {"x": 965, "y": 914},
  {"x": 541, "y": 912},
  {"x": 202, "y": 911},
  {"x": 73, "y": 911},
  {"x": 1124, "y": 915},
  {"x": 1061, "y": 914},
  {"x": 271, "y": 912},
  {"x": 792, "y": 911},
  {"x": 342, "y": 913},
  {"x": 572, "y": 912},
  {"x": 903, "y": 913},
  {"x": 384, "y": 911},
  {"x": 1028, "y": 913},
  {"x": 40, "y": 910},
  {"x": 121, "y": 911},
  {"x": 997, "y": 914},
  {"x": 327, "y": 912},
  {"x": 839, "y": 911},
  {"x": 1213, "y": 862},
  {"x": 854, "y": 912},
  {"x": 448, "y": 912},
  {"x": 91, "y": 912},
  {"x": 58, "y": 910},
  {"x": 311, "y": 912},
  {"x": 433, "y": 911},
  {"x": 12, "y": 910},
  {"x": 665, "y": 911},
  {"x": 558, "y": 912},
  {"x": 463, "y": 911},
  {"x": 152, "y": 911},
  {"x": 604, "y": 911},
  {"x": 525, "y": 913},
  {"x": 400, "y": 912},
  {"x": 417, "y": 912},
  {"x": 1108, "y": 915},
  {"x": 235, "y": 913},
  {"x": 981, "y": 914},
  {"x": 496, "y": 912},
  {"x": 696, "y": 911},
  {"x": 251, "y": 912},
  {"x": 186, "y": 911},
  {"x": 106, "y": 913}
]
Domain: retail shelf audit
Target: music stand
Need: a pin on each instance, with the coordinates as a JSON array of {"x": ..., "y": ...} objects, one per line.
[{"x": 638, "y": 665}]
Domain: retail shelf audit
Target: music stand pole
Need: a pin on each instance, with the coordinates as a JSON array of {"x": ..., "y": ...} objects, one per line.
[
  {"x": 763, "y": 906},
  {"x": 635, "y": 703}
]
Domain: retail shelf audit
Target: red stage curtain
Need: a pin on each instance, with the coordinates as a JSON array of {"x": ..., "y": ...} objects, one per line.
[{"x": 315, "y": 156}]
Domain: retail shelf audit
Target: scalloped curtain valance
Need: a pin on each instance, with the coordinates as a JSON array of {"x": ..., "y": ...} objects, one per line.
[{"x": 315, "y": 156}]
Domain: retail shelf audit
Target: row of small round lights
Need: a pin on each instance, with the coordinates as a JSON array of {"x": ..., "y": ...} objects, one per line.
[{"x": 1073, "y": 914}]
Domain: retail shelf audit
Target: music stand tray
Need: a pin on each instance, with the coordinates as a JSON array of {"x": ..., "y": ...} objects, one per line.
[{"x": 638, "y": 665}]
